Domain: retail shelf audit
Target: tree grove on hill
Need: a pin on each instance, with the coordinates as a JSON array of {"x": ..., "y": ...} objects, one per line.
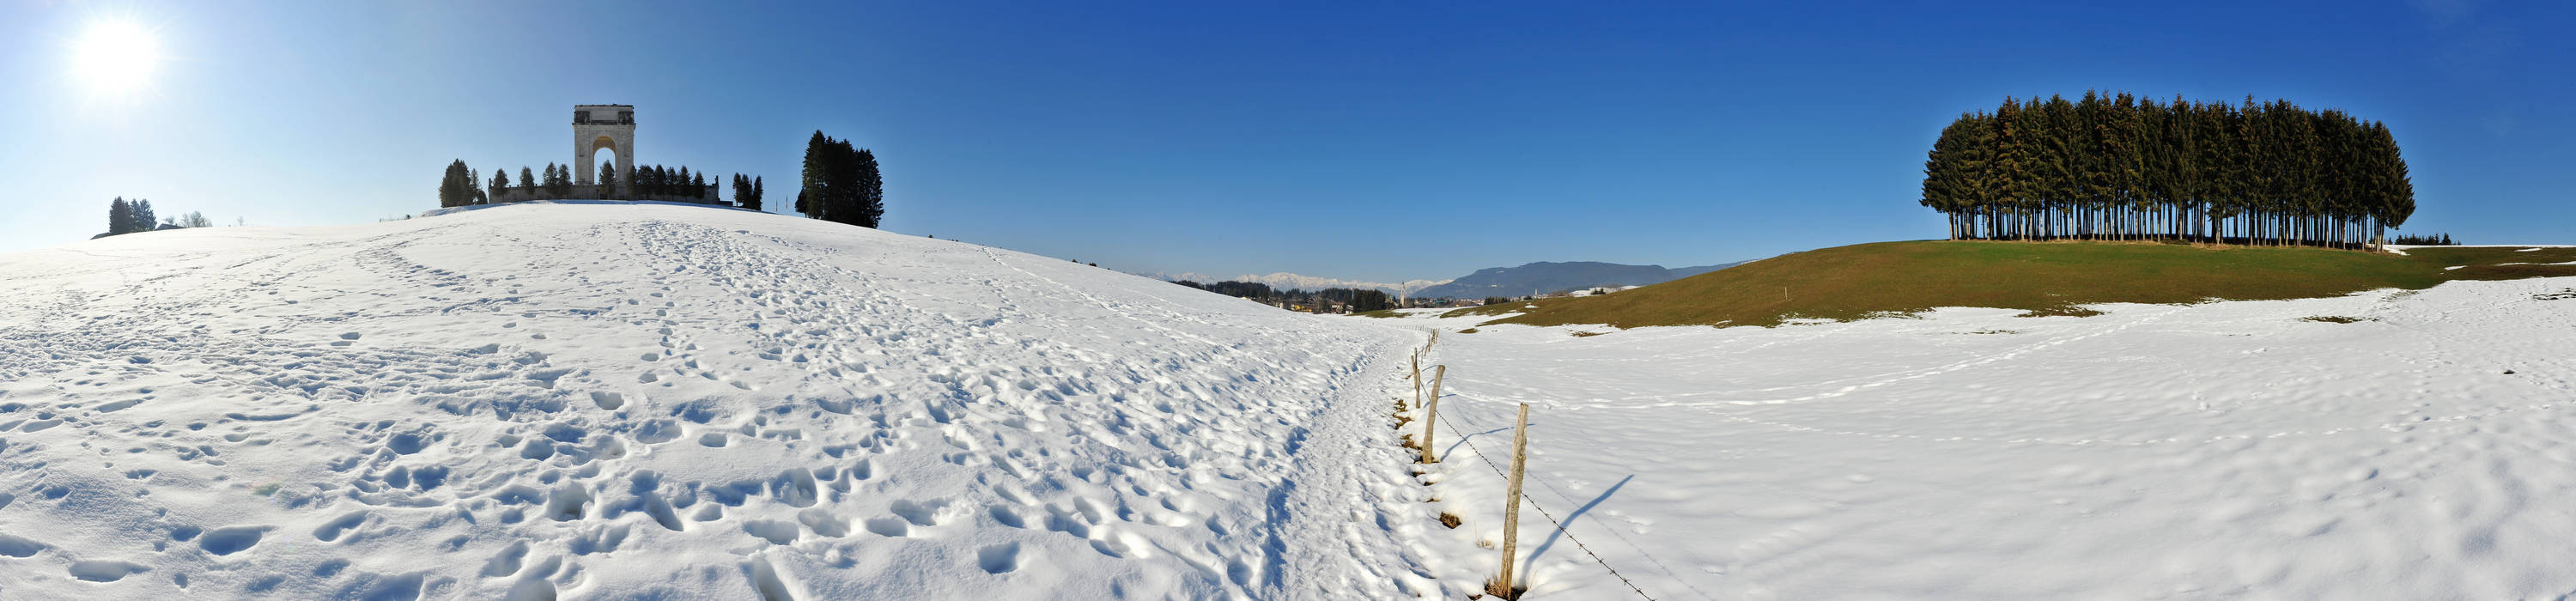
[
  {"x": 558, "y": 180},
  {"x": 840, "y": 183},
  {"x": 128, "y": 217},
  {"x": 746, "y": 191},
  {"x": 1359, "y": 300},
  {"x": 2115, "y": 167},
  {"x": 459, "y": 186},
  {"x": 120, "y": 217},
  {"x": 139, "y": 216}
]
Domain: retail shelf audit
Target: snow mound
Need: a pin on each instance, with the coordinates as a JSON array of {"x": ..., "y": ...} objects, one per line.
[{"x": 636, "y": 400}]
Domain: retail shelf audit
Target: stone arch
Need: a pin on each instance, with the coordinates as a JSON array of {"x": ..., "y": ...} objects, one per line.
[
  {"x": 594, "y": 129},
  {"x": 608, "y": 144},
  {"x": 587, "y": 155}
]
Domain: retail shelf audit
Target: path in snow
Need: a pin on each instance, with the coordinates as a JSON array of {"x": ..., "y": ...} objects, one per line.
[
  {"x": 2226, "y": 449},
  {"x": 620, "y": 400}
]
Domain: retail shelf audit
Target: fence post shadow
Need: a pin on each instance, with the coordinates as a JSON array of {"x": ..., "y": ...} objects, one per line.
[{"x": 1543, "y": 546}]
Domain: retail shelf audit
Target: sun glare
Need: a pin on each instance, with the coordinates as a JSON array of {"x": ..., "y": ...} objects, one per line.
[{"x": 115, "y": 57}]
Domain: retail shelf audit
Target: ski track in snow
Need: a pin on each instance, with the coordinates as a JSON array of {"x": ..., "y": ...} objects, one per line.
[
  {"x": 2216, "y": 450},
  {"x": 638, "y": 400}
]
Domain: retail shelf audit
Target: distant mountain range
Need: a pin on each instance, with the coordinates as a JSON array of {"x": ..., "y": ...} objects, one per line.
[
  {"x": 1284, "y": 281},
  {"x": 1544, "y": 277},
  {"x": 1535, "y": 278}
]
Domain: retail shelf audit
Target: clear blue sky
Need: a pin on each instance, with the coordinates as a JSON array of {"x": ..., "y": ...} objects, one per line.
[{"x": 1378, "y": 140}]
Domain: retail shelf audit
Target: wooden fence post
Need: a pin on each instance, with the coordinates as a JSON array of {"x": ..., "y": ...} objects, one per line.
[
  {"x": 1512, "y": 511},
  {"x": 1431, "y": 413},
  {"x": 1417, "y": 378}
]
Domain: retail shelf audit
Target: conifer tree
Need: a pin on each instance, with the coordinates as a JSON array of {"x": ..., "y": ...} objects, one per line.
[
  {"x": 811, "y": 184},
  {"x": 456, "y": 187},
  {"x": 120, "y": 217},
  {"x": 755, "y": 194},
  {"x": 144, "y": 221},
  {"x": 870, "y": 195},
  {"x": 608, "y": 181}
]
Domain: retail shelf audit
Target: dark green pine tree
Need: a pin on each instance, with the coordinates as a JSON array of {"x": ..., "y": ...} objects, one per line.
[
  {"x": 1946, "y": 174},
  {"x": 144, "y": 221},
  {"x": 1973, "y": 189},
  {"x": 120, "y": 217},
  {"x": 697, "y": 185},
  {"x": 527, "y": 178},
  {"x": 755, "y": 194},
  {"x": 2151, "y": 194},
  {"x": 810, "y": 192},
  {"x": 2010, "y": 177},
  {"x": 456, "y": 186},
  {"x": 2393, "y": 193},
  {"x": 870, "y": 194},
  {"x": 2213, "y": 148},
  {"x": 2058, "y": 162},
  {"x": 607, "y": 181}
]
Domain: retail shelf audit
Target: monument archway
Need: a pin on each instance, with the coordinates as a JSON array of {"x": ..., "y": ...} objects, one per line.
[{"x": 603, "y": 126}]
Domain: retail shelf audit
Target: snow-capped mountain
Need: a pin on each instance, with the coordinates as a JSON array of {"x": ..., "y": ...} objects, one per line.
[{"x": 1545, "y": 277}]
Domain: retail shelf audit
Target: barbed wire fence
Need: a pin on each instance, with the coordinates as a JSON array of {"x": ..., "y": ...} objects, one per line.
[{"x": 1470, "y": 441}]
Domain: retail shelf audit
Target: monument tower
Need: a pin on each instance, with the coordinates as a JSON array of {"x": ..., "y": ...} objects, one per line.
[{"x": 597, "y": 126}]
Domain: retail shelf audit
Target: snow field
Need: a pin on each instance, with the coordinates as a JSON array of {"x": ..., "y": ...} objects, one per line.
[
  {"x": 2228, "y": 449},
  {"x": 527, "y": 402}
]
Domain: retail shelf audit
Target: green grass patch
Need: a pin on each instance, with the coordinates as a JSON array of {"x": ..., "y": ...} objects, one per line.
[
  {"x": 1380, "y": 313},
  {"x": 2041, "y": 278}
]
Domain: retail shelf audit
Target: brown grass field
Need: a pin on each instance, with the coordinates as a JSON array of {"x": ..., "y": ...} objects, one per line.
[{"x": 2043, "y": 278}]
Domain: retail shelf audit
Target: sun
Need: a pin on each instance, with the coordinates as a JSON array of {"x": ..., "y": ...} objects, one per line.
[{"x": 115, "y": 57}]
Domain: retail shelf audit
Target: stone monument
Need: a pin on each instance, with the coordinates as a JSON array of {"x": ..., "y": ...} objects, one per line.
[
  {"x": 597, "y": 126},
  {"x": 611, "y": 127}
]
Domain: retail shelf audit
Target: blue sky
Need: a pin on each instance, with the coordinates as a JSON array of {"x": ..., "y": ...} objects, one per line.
[{"x": 1377, "y": 141}]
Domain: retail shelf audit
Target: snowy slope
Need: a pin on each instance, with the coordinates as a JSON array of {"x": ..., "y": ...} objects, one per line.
[
  {"x": 2222, "y": 450},
  {"x": 676, "y": 402}
]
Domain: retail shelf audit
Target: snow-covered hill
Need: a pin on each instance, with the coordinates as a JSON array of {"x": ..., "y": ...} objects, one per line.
[{"x": 676, "y": 402}]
